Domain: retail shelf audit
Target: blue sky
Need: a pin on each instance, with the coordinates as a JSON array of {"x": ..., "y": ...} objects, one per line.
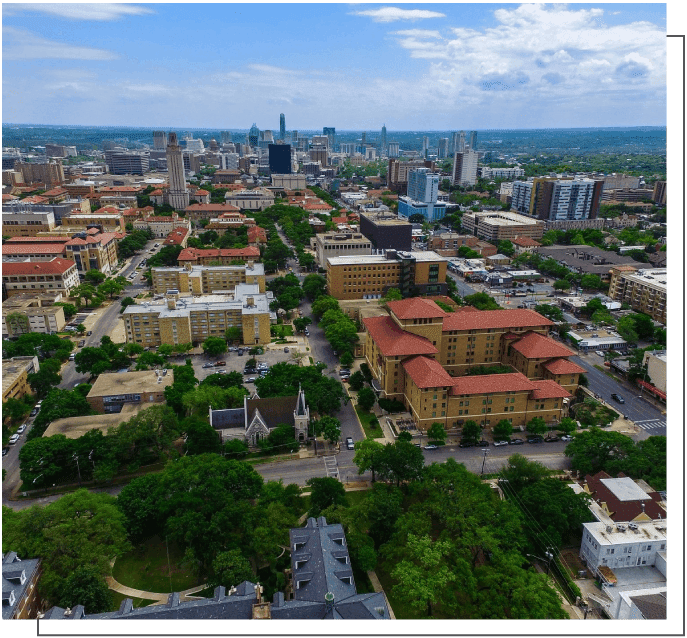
[{"x": 352, "y": 66}]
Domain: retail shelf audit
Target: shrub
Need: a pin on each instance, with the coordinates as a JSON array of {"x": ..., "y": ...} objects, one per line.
[{"x": 391, "y": 405}]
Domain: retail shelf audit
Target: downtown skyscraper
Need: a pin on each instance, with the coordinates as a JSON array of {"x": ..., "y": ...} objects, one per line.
[
  {"x": 382, "y": 143},
  {"x": 282, "y": 127}
]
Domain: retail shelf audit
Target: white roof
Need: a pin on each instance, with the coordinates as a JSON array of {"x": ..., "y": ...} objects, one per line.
[{"x": 625, "y": 489}]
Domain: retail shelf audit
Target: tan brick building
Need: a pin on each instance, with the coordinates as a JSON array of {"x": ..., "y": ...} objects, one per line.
[
  {"x": 108, "y": 222},
  {"x": 58, "y": 275},
  {"x": 200, "y": 280},
  {"x": 498, "y": 225},
  {"x": 39, "y": 312},
  {"x": 341, "y": 244},
  {"x": 192, "y": 320},
  {"x": 371, "y": 276},
  {"x": 26, "y": 224},
  {"x": 15, "y": 372},
  {"x": 645, "y": 290},
  {"x": 96, "y": 252},
  {"x": 111, "y": 391},
  {"x": 419, "y": 353}
]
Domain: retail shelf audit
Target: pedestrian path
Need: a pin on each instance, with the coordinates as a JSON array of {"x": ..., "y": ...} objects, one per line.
[{"x": 651, "y": 423}]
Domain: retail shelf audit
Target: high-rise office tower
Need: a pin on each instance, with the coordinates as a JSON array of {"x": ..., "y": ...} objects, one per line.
[
  {"x": 461, "y": 142},
  {"x": 442, "y": 150},
  {"x": 321, "y": 140},
  {"x": 465, "y": 168},
  {"x": 294, "y": 137},
  {"x": 382, "y": 143},
  {"x": 159, "y": 140},
  {"x": 363, "y": 139},
  {"x": 473, "y": 140},
  {"x": 280, "y": 158},
  {"x": 425, "y": 146},
  {"x": 282, "y": 127},
  {"x": 178, "y": 194},
  {"x": 330, "y": 132},
  {"x": 423, "y": 185},
  {"x": 393, "y": 149},
  {"x": 225, "y": 137},
  {"x": 253, "y": 135}
]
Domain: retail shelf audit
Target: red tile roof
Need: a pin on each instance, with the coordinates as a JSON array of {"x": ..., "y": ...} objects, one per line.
[
  {"x": 393, "y": 341},
  {"x": 55, "y": 191},
  {"x": 6, "y": 197},
  {"x": 255, "y": 234},
  {"x": 52, "y": 267},
  {"x": 600, "y": 485},
  {"x": 35, "y": 199},
  {"x": 525, "y": 241},
  {"x": 213, "y": 207},
  {"x": 548, "y": 389},
  {"x": 37, "y": 238},
  {"x": 340, "y": 220},
  {"x": 491, "y": 383},
  {"x": 191, "y": 254},
  {"x": 536, "y": 346},
  {"x": 416, "y": 308},
  {"x": 177, "y": 236},
  {"x": 494, "y": 319},
  {"x": 76, "y": 241},
  {"x": 562, "y": 366},
  {"x": 427, "y": 373},
  {"x": 43, "y": 248}
]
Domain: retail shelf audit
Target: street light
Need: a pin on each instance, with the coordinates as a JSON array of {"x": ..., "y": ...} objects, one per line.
[
  {"x": 484, "y": 461},
  {"x": 549, "y": 557}
]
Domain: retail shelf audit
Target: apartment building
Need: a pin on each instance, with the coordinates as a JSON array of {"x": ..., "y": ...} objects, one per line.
[
  {"x": 93, "y": 252},
  {"x": 51, "y": 173},
  {"x": 397, "y": 174},
  {"x": 656, "y": 363},
  {"x": 196, "y": 212},
  {"x": 341, "y": 244},
  {"x": 106, "y": 222},
  {"x": 15, "y": 372},
  {"x": 218, "y": 256},
  {"x": 465, "y": 168},
  {"x": 40, "y": 251},
  {"x": 20, "y": 598},
  {"x": 26, "y": 223},
  {"x": 199, "y": 280},
  {"x": 550, "y": 198},
  {"x": 121, "y": 162},
  {"x": 257, "y": 199},
  {"x": 419, "y": 355},
  {"x": 162, "y": 225},
  {"x": 371, "y": 276},
  {"x": 645, "y": 290},
  {"x": 192, "y": 320},
  {"x": 510, "y": 172},
  {"x": 31, "y": 312},
  {"x": 498, "y": 225},
  {"x": 57, "y": 275},
  {"x": 111, "y": 392}
]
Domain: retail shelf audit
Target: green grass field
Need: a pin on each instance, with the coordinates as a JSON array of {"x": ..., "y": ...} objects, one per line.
[
  {"x": 138, "y": 602},
  {"x": 371, "y": 431},
  {"x": 146, "y": 568}
]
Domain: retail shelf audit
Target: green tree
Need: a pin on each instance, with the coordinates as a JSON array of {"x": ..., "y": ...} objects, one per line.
[
  {"x": 110, "y": 287},
  {"x": 537, "y": 425},
  {"x": 148, "y": 435},
  {"x": 520, "y": 472},
  {"x": 214, "y": 346},
  {"x": 643, "y": 325},
  {"x": 436, "y": 432},
  {"x": 503, "y": 430},
  {"x": 383, "y": 507},
  {"x": 230, "y": 568},
  {"x": 593, "y": 450},
  {"x": 165, "y": 350},
  {"x": 302, "y": 323},
  {"x": 47, "y": 376},
  {"x": 69, "y": 309},
  {"x": 393, "y": 294},
  {"x": 314, "y": 286},
  {"x": 234, "y": 334},
  {"x": 549, "y": 311},
  {"x": 346, "y": 359},
  {"x": 505, "y": 247},
  {"x": 127, "y": 301},
  {"x": 199, "y": 400},
  {"x": 356, "y": 380},
  {"x": 148, "y": 360},
  {"x": 567, "y": 425},
  {"x": 201, "y": 437},
  {"x": 17, "y": 323},
  {"x": 47, "y": 461},
  {"x": 132, "y": 349},
  {"x": 323, "y": 304},
  {"x": 561, "y": 284},
  {"x": 92, "y": 360},
  {"x": 325, "y": 492},
  {"x": 471, "y": 430},
  {"x": 86, "y": 586},
  {"x": 81, "y": 529},
  {"x": 15, "y": 409},
  {"x": 423, "y": 578},
  {"x": 140, "y": 503},
  {"x": 329, "y": 428},
  {"x": 95, "y": 277},
  {"x": 481, "y": 301},
  {"x": 626, "y": 329},
  {"x": 366, "y": 398},
  {"x": 401, "y": 462},
  {"x": 368, "y": 454},
  {"x": 590, "y": 282},
  {"x": 234, "y": 449}
]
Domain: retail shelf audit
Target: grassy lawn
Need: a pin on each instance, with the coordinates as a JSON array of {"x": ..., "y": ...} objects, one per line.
[
  {"x": 138, "y": 602},
  {"x": 146, "y": 568},
  {"x": 371, "y": 431},
  {"x": 357, "y": 497}
]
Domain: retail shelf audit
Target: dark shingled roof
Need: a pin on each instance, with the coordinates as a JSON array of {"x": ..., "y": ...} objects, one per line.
[
  {"x": 274, "y": 410},
  {"x": 232, "y": 418},
  {"x": 652, "y": 606}
]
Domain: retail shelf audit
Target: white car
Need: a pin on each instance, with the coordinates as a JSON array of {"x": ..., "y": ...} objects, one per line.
[
  {"x": 566, "y": 437},
  {"x": 21, "y": 429},
  {"x": 599, "y": 353},
  {"x": 500, "y": 443},
  {"x": 13, "y": 439}
]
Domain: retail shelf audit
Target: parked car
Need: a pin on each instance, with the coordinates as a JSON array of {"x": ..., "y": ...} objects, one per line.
[
  {"x": 349, "y": 443},
  {"x": 240, "y": 352},
  {"x": 21, "y": 429},
  {"x": 599, "y": 353},
  {"x": 430, "y": 447},
  {"x": 220, "y": 363},
  {"x": 232, "y": 349},
  {"x": 89, "y": 333},
  {"x": 72, "y": 356},
  {"x": 5, "y": 450},
  {"x": 286, "y": 349},
  {"x": 483, "y": 444},
  {"x": 307, "y": 332},
  {"x": 208, "y": 365},
  {"x": 515, "y": 442},
  {"x": 251, "y": 380},
  {"x": 466, "y": 443},
  {"x": 500, "y": 443},
  {"x": 13, "y": 439},
  {"x": 551, "y": 438},
  {"x": 536, "y": 438},
  {"x": 34, "y": 412},
  {"x": 618, "y": 398},
  {"x": 82, "y": 343},
  {"x": 566, "y": 437},
  {"x": 157, "y": 245}
]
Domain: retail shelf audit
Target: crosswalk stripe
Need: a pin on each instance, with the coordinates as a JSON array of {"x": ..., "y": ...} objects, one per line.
[{"x": 651, "y": 423}]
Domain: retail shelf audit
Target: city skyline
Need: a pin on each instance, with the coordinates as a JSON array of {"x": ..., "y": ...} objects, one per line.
[{"x": 472, "y": 66}]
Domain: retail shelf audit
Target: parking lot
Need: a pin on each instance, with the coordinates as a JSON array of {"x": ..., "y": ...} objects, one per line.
[{"x": 236, "y": 363}]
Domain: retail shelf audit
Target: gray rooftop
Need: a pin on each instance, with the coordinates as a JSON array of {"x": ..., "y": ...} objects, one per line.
[
  {"x": 12, "y": 570},
  {"x": 208, "y": 303},
  {"x": 625, "y": 489}
]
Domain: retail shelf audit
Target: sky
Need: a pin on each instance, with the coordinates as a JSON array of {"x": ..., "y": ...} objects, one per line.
[{"x": 351, "y": 66}]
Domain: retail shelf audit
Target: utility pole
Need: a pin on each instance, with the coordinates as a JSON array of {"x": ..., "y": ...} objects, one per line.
[
  {"x": 484, "y": 461},
  {"x": 78, "y": 469}
]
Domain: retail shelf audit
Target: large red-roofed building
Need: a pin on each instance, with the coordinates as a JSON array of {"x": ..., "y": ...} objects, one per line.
[
  {"x": 224, "y": 256},
  {"x": 56, "y": 275}
]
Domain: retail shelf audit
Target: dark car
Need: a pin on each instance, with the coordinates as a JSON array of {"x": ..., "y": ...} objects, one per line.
[
  {"x": 34, "y": 412},
  {"x": 89, "y": 333},
  {"x": 515, "y": 442},
  {"x": 240, "y": 352},
  {"x": 465, "y": 443},
  {"x": 208, "y": 365},
  {"x": 618, "y": 398},
  {"x": 5, "y": 450},
  {"x": 220, "y": 363},
  {"x": 82, "y": 343},
  {"x": 535, "y": 439},
  {"x": 551, "y": 438},
  {"x": 483, "y": 444}
]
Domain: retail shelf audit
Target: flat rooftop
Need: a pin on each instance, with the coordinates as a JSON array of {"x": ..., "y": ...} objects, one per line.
[
  {"x": 197, "y": 270},
  {"x": 420, "y": 256},
  {"x": 504, "y": 218},
  {"x": 649, "y": 531},
  {"x": 112, "y": 383},
  {"x": 74, "y": 427},
  {"x": 657, "y": 278},
  {"x": 208, "y": 303},
  {"x": 625, "y": 489}
]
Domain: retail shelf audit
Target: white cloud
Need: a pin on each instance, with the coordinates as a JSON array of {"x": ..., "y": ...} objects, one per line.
[
  {"x": 268, "y": 68},
  {"x": 93, "y": 11},
  {"x": 20, "y": 44},
  {"x": 393, "y": 14},
  {"x": 418, "y": 33}
]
